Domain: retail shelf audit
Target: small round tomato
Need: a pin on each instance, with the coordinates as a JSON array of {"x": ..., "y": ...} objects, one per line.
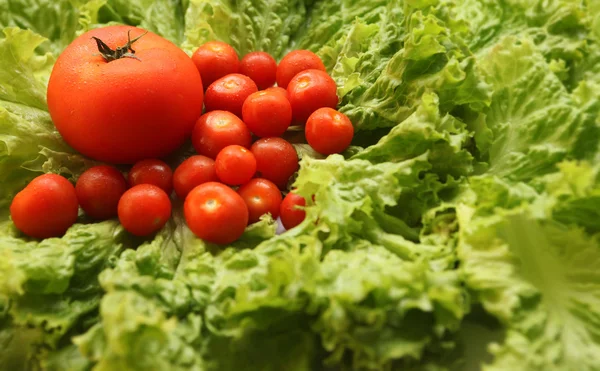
[
  {"x": 46, "y": 207},
  {"x": 261, "y": 196},
  {"x": 124, "y": 106},
  {"x": 295, "y": 62},
  {"x": 235, "y": 165},
  {"x": 214, "y": 60},
  {"x": 291, "y": 210},
  {"x": 310, "y": 90},
  {"x": 229, "y": 93},
  {"x": 144, "y": 209},
  {"x": 278, "y": 90},
  {"x": 276, "y": 160},
  {"x": 99, "y": 189},
  {"x": 260, "y": 67},
  {"x": 217, "y": 130},
  {"x": 328, "y": 131},
  {"x": 216, "y": 213},
  {"x": 267, "y": 114},
  {"x": 192, "y": 172},
  {"x": 152, "y": 171}
]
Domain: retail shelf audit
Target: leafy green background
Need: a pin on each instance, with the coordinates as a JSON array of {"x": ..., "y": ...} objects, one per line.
[{"x": 460, "y": 232}]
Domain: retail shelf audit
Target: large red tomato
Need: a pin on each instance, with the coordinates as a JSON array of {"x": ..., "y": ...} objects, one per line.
[{"x": 141, "y": 105}]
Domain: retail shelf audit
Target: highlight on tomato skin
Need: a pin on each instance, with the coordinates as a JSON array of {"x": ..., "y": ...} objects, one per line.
[
  {"x": 328, "y": 131},
  {"x": 262, "y": 197},
  {"x": 46, "y": 207},
  {"x": 235, "y": 165},
  {"x": 99, "y": 190},
  {"x": 310, "y": 90},
  {"x": 216, "y": 130},
  {"x": 261, "y": 67},
  {"x": 216, "y": 213},
  {"x": 152, "y": 171},
  {"x": 144, "y": 209},
  {"x": 295, "y": 62},
  {"x": 229, "y": 93},
  {"x": 214, "y": 60},
  {"x": 267, "y": 113}
]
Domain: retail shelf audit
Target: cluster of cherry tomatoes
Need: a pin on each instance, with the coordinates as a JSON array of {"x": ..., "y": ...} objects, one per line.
[{"x": 242, "y": 165}]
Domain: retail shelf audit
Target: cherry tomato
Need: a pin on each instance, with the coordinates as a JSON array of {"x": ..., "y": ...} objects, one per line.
[
  {"x": 276, "y": 160},
  {"x": 279, "y": 90},
  {"x": 260, "y": 67},
  {"x": 47, "y": 207},
  {"x": 98, "y": 191},
  {"x": 216, "y": 213},
  {"x": 267, "y": 114},
  {"x": 214, "y": 60},
  {"x": 217, "y": 130},
  {"x": 310, "y": 90},
  {"x": 291, "y": 211},
  {"x": 124, "y": 110},
  {"x": 328, "y": 131},
  {"x": 295, "y": 62},
  {"x": 229, "y": 93},
  {"x": 152, "y": 171},
  {"x": 261, "y": 196},
  {"x": 193, "y": 172},
  {"x": 235, "y": 165},
  {"x": 144, "y": 209}
]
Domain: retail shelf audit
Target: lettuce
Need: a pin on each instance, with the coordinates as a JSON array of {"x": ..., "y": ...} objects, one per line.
[{"x": 461, "y": 230}]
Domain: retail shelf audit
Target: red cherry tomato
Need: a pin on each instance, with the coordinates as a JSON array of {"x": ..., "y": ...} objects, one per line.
[
  {"x": 261, "y": 196},
  {"x": 328, "y": 131},
  {"x": 310, "y": 90},
  {"x": 46, "y": 208},
  {"x": 192, "y": 172},
  {"x": 295, "y": 62},
  {"x": 276, "y": 160},
  {"x": 216, "y": 213},
  {"x": 267, "y": 114},
  {"x": 260, "y": 67},
  {"x": 152, "y": 171},
  {"x": 279, "y": 90},
  {"x": 214, "y": 60},
  {"x": 217, "y": 130},
  {"x": 229, "y": 93},
  {"x": 98, "y": 191},
  {"x": 144, "y": 209},
  {"x": 291, "y": 210},
  {"x": 235, "y": 165}
]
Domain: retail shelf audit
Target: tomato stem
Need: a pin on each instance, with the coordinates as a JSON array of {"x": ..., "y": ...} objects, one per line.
[{"x": 124, "y": 51}]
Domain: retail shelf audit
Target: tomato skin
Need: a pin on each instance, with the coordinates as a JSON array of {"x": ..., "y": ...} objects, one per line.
[
  {"x": 215, "y": 213},
  {"x": 295, "y": 62},
  {"x": 329, "y": 131},
  {"x": 261, "y": 196},
  {"x": 260, "y": 67},
  {"x": 192, "y": 172},
  {"x": 125, "y": 110},
  {"x": 267, "y": 114},
  {"x": 46, "y": 207},
  {"x": 218, "y": 129},
  {"x": 214, "y": 60},
  {"x": 144, "y": 209},
  {"x": 276, "y": 160},
  {"x": 235, "y": 165},
  {"x": 152, "y": 171},
  {"x": 229, "y": 93},
  {"x": 279, "y": 90},
  {"x": 290, "y": 213},
  {"x": 310, "y": 90},
  {"x": 98, "y": 191}
]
